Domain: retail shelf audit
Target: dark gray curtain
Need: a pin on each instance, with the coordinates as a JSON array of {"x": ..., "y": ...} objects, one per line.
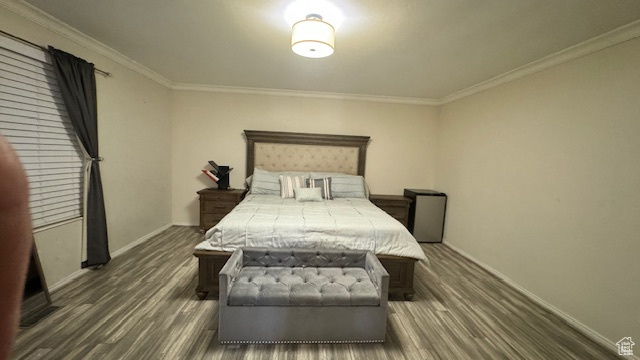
[{"x": 77, "y": 81}]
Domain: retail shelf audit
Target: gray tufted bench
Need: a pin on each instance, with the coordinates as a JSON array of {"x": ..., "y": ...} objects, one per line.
[{"x": 302, "y": 295}]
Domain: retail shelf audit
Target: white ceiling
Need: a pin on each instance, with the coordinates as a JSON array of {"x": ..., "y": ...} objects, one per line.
[{"x": 424, "y": 49}]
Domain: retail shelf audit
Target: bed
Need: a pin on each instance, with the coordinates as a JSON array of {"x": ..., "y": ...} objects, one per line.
[{"x": 267, "y": 220}]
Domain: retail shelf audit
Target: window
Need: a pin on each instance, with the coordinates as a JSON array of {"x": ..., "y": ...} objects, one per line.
[{"x": 34, "y": 119}]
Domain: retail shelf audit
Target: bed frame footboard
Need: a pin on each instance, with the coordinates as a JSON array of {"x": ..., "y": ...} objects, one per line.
[{"x": 210, "y": 263}]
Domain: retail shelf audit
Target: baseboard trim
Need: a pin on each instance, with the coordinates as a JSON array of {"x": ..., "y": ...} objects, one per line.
[
  {"x": 184, "y": 224},
  {"x": 115, "y": 254},
  {"x": 76, "y": 274},
  {"x": 584, "y": 329},
  {"x": 140, "y": 241}
]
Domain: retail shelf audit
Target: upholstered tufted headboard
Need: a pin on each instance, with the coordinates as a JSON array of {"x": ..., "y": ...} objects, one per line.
[{"x": 284, "y": 151}]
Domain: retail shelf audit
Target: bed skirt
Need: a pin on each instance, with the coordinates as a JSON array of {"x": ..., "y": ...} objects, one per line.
[{"x": 210, "y": 263}]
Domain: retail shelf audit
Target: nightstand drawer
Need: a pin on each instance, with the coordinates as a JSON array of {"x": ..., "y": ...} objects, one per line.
[
  {"x": 212, "y": 219},
  {"x": 399, "y": 213},
  {"x": 218, "y": 197},
  {"x": 389, "y": 203},
  {"x": 394, "y": 205},
  {"x": 217, "y": 207},
  {"x": 215, "y": 204}
]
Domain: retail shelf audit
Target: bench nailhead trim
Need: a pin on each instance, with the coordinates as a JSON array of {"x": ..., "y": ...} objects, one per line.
[{"x": 300, "y": 341}]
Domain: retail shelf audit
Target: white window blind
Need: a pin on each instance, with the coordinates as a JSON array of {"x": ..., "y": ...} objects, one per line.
[{"x": 34, "y": 119}]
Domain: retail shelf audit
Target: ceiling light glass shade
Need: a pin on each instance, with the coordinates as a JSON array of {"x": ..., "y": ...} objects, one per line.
[{"x": 312, "y": 37}]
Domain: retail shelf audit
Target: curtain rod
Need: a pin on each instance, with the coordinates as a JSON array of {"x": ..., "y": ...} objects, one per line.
[{"x": 27, "y": 42}]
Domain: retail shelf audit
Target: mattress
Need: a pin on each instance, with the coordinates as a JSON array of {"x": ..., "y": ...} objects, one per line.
[{"x": 347, "y": 223}]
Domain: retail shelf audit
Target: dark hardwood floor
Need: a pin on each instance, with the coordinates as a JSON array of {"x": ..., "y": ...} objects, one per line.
[{"x": 143, "y": 306}]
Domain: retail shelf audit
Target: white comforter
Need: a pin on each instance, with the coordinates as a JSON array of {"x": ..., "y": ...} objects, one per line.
[{"x": 270, "y": 221}]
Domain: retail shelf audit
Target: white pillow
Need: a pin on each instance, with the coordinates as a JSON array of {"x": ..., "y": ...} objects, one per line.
[
  {"x": 290, "y": 183},
  {"x": 308, "y": 194},
  {"x": 268, "y": 182}
]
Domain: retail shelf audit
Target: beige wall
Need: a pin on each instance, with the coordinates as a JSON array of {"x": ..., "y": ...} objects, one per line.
[
  {"x": 135, "y": 140},
  {"x": 543, "y": 176},
  {"x": 542, "y": 173},
  {"x": 209, "y": 126}
]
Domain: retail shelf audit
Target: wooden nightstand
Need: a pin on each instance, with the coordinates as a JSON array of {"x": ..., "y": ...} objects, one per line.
[
  {"x": 215, "y": 204},
  {"x": 395, "y": 205}
]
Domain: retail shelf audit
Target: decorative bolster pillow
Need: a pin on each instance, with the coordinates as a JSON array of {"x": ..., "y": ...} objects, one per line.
[
  {"x": 289, "y": 183},
  {"x": 323, "y": 184},
  {"x": 308, "y": 194}
]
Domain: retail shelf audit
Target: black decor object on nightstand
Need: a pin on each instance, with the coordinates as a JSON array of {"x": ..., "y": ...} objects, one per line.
[
  {"x": 219, "y": 174},
  {"x": 426, "y": 214},
  {"x": 223, "y": 174}
]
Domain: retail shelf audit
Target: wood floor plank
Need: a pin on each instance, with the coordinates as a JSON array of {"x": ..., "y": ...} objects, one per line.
[{"x": 142, "y": 305}]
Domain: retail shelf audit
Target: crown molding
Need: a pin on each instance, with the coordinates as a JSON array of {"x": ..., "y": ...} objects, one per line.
[
  {"x": 611, "y": 38},
  {"x": 305, "y": 94},
  {"x": 58, "y": 27},
  {"x": 606, "y": 40}
]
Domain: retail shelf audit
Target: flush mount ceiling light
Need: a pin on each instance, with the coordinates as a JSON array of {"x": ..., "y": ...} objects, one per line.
[{"x": 312, "y": 37}]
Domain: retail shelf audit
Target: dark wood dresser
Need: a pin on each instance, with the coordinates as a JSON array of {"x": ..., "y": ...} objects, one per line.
[
  {"x": 215, "y": 204},
  {"x": 395, "y": 205}
]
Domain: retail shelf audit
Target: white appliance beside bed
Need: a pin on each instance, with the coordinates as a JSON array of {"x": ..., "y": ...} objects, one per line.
[{"x": 338, "y": 216}]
